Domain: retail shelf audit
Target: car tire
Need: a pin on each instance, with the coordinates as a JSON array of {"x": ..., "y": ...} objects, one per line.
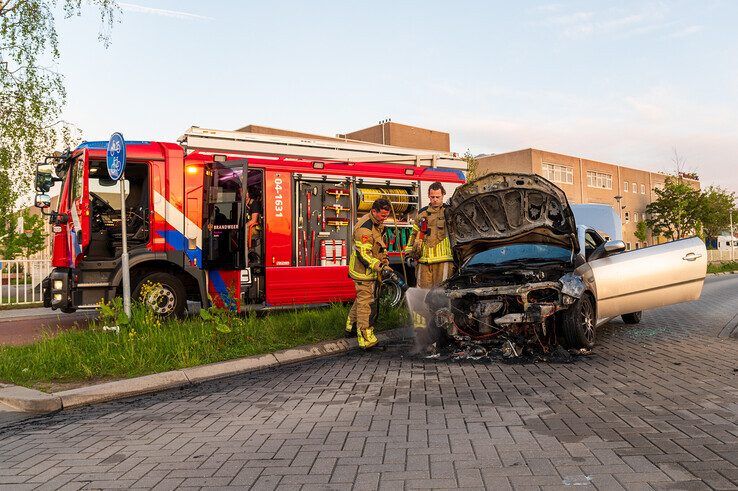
[
  {"x": 578, "y": 324},
  {"x": 170, "y": 301},
  {"x": 633, "y": 317},
  {"x": 68, "y": 310}
]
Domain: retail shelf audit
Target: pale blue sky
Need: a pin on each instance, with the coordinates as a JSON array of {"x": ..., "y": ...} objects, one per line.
[{"x": 621, "y": 82}]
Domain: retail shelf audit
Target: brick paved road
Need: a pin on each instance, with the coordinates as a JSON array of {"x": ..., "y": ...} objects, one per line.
[{"x": 655, "y": 408}]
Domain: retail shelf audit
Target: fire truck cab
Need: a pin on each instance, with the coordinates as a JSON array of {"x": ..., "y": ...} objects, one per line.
[{"x": 237, "y": 229}]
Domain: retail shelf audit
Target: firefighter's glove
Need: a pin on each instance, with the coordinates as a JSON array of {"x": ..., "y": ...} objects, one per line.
[
  {"x": 388, "y": 275},
  {"x": 423, "y": 226}
]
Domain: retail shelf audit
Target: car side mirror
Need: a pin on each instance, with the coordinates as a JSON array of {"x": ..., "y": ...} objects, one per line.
[
  {"x": 42, "y": 201},
  {"x": 614, "y": 246}
]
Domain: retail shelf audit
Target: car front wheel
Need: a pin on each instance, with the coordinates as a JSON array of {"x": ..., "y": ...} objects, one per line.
[{"x": 578, "y": 324}]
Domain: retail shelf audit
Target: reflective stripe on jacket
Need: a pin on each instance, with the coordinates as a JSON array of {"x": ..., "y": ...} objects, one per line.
[
  {"x": 436, "y": 247},
  {"x": 369, "y": 249}
]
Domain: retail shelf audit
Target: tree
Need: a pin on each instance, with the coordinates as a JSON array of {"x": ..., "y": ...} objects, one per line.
[
  {"x": 23, "y": 235},
  {"x": 472, "y": 163},
  {"x": 641, "y": 231},
  {"x": 675, "y": 212},
  {"x": 32, "y": 94},
  {"x": 714, "y": 210}
]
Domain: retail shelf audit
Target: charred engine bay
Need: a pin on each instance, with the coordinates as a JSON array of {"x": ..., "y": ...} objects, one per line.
[{"x": 512, "y": 312}]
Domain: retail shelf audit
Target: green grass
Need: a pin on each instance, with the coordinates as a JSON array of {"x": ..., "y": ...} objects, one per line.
[
  {"x": 148, "y": 346},
  {"x": 21, "y": 306},
  {"x": 722, "y": 267}
]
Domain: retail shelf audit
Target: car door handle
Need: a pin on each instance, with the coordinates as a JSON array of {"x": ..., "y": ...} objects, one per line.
[{"x": 691, "y": 256}]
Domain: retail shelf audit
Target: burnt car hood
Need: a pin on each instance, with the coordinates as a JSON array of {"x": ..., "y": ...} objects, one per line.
[{"x": 506, "y": 208}]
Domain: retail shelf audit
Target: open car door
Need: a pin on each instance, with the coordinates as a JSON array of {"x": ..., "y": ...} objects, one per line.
[
  {"x": 79, "y": 208},
  {"x": 647, "y": 278}
]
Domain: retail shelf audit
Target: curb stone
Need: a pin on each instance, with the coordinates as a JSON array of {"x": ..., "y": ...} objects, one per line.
[
  {"x": 35, "y": 401},
  {"x": 29, "y": 400}
]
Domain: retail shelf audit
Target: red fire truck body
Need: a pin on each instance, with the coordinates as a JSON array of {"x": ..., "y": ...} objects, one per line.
[{"x": 189, "y": 226}]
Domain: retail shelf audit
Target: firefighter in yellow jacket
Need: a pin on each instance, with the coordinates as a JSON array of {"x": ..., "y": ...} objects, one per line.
[
  {"x": 368, "y": 258},
  {"x": 429, "y": 242}
]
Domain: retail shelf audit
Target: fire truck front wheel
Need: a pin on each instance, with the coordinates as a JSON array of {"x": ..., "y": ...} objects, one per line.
[{"x": 163, "y": 293}]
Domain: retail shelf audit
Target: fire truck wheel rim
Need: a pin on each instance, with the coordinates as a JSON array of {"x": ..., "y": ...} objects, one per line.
[{"x": 162, "y": 301}]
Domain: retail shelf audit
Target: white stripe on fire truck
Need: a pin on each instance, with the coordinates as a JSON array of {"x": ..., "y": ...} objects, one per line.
[{"x": 177, "y": 220}]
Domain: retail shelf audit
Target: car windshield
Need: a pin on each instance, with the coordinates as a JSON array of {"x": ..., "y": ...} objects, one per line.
[{"x": 532, "y": 253}]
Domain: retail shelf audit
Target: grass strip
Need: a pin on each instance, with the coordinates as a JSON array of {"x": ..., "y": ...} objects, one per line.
[
  {"x": 147, "y": 345},
  {"x": 722, "y": 267}
]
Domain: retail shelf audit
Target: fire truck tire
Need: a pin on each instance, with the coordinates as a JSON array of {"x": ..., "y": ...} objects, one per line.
[{"x": 168, "y": 301}]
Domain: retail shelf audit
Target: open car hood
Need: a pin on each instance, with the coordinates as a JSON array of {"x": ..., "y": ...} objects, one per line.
[{"x": 503, "y": 208}]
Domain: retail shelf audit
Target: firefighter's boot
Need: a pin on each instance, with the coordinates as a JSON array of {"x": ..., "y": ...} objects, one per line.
[
  {"x": 366, "y": 338},
  {"x": 350, "y": 330}
]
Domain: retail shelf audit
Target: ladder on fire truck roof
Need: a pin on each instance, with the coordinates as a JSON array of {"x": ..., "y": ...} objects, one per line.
[{"x": 241, "y": 142}]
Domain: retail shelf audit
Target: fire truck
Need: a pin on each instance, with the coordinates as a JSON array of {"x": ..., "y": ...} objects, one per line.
[{"x": 224, "y": 218}]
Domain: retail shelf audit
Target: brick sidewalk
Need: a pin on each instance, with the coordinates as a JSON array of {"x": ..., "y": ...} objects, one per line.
[{"x": 656, "y": 407}]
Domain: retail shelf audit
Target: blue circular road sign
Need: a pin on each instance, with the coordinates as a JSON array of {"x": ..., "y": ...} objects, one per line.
[{"x": 116, "y": 156}]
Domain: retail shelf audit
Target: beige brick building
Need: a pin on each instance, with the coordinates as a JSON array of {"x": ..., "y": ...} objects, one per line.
[{"x": 588, "y": 181}]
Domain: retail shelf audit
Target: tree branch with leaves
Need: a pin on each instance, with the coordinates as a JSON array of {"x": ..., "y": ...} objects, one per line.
[{"x": 32, "y": 96}]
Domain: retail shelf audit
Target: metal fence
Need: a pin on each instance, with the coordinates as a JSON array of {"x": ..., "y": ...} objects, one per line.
[
  {"x": 718, "y": 255},
  {"x": 20, "y": 280}
]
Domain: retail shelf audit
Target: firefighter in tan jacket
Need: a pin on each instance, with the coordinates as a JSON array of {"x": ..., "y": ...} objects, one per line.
[
  {"x": 429, "y": 242},
  {"x": 368, "y": 259}
]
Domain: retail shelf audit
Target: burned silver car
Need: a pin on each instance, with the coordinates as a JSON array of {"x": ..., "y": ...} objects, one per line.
[{"x": 527, "y": 275}]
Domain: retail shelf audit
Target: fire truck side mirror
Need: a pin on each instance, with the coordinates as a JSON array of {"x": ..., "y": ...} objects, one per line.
[
  {"x": 44, "y": 178},
  {"x": 42, "y": 201}
]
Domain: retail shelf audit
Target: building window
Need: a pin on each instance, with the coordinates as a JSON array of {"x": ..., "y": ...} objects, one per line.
[
  {"x": 643, "y": 189},
  {"x": 625, "y": 187},
  {"x": 634, "y": 187},
  {"x": 635, "y": 216},
  {"x": 627, "y": 217},
  {"x": 627, "y": 246},
  {"x": 558, "y": 173},
  {"x": 599, "y": 180}
]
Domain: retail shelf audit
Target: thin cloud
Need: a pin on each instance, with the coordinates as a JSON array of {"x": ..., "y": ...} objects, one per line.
[
  {"x": 173, "y": 14},
  {"x": 687, "y": 31},
  {"x": 613, "y": 21}
]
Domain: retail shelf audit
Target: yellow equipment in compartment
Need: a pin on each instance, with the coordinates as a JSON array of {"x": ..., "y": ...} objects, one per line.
[{"x": 398, "y": 197}]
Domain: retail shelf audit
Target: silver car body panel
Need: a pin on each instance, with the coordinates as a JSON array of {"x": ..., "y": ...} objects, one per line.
[{"x": 646, "y": 278}]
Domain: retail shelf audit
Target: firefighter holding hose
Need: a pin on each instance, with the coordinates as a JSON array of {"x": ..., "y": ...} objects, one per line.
[
  {"x": 429, "y": 243},
  {"x": 368, "y": 260}
]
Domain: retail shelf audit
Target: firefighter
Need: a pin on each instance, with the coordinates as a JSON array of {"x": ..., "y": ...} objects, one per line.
[
  {"x": 429, "y": 243},
  {"x": 368, "y": 259}
]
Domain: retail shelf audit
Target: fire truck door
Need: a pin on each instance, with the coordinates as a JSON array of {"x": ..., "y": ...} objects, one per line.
[
  {"x": 224, "y": 233},
  {"x": 79, "y": 210}
]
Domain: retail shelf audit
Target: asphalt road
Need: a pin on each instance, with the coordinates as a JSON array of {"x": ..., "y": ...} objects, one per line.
[
  {"x": 656, "y": 407},
  {"x": 23, "y": 326}
]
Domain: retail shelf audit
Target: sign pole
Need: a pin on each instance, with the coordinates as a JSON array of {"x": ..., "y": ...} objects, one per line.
[
  {"x": 124, "y": 255},
  {"x": 116, "y": 163}
]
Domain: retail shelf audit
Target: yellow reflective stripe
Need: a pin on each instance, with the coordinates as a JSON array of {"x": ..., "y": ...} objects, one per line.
[
  {"x": 371, "y": 275},
  {"x": 364, "y": 250},
  {"x": 439, "y": 253}
]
